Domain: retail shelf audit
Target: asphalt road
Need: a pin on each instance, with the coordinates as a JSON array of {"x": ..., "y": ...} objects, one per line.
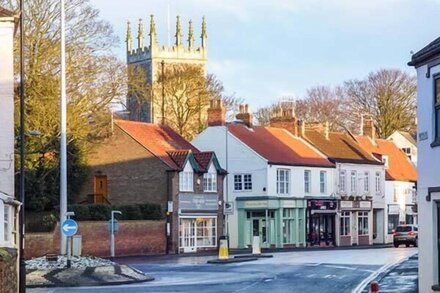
[{"x": 306, "y": 271}]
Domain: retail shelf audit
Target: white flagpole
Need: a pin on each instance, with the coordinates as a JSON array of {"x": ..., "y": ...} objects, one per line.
[{"x": 63, "y": 146}]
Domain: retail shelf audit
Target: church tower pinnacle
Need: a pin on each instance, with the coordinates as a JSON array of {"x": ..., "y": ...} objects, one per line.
[
  {"x": 204, "y": 35},
  {"x": 190, "y": 36},
  {"x": 178, "y": 32},
  {"x": 153, "y": 34},
  {"x": 128, "y": 38},
  {"x": 140, "y": 34}
]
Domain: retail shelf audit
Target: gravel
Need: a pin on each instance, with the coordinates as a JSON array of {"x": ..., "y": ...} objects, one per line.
[{"x": 41, "y": 263}]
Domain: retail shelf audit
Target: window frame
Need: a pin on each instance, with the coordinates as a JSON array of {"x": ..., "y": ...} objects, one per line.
[
  {"x": 284, "y": 184},
  {"x": 377, "y": 183},
  {"x": 210, "y": 180},
  {"x": 345, "y": 228},
  {"x": 436, "y": 109},
  {"x": 307, "y": 181},
  {"x": 343, "y": 181},
  {"x": 322, "y": 182},
  {"x": 243, "y": 182},
  {"x": 366, "y": 181},
  {"x": 353, "y": 183},
  {"x": 362, "y": 222},
  {"x": 184, "y": 178}
]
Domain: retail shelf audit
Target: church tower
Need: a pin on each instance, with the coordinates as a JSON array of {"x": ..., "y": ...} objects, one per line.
[{"x": 153, "y": 57}]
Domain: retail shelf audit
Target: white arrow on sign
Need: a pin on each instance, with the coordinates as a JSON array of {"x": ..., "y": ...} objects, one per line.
[{"x": 66, "y": 227}]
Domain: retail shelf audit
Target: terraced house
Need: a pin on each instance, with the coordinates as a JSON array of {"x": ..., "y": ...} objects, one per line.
[{"x": 279, "y": 187}]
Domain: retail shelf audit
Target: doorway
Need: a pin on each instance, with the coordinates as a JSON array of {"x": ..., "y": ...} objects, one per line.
[{"x": 322, "y": 230}]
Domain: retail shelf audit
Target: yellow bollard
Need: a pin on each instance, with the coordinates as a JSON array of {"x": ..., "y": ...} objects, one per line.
[
  {"x": 223, "y": 252},
  {"x": 256, "y": 247}
]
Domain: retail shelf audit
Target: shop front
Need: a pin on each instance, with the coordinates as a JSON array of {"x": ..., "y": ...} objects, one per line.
[
  {"x": 200, "y": 222},
  {"x": 355, "y": 222},
  {"x": 321, "y": 222},
  {"x": 279, "y": 222}
]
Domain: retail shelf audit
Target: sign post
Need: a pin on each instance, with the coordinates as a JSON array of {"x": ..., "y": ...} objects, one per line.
[
  {"x": 113, "y": 227},
  {"x": 69, "y": 228}
]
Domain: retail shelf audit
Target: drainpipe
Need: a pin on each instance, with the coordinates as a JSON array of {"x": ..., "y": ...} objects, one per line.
[{"x": 168, "y": 215}]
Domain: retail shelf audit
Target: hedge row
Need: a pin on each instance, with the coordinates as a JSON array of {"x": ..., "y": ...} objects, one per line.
[{"x": 102, "y": 212}]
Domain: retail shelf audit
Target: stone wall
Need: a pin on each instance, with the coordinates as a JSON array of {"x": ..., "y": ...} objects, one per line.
[
  {"x": 8, "y": 270},
  {"x": 133, "y": 238}
]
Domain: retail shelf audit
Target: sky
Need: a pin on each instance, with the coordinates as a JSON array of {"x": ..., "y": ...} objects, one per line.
[{"x": 267, "y": 50}]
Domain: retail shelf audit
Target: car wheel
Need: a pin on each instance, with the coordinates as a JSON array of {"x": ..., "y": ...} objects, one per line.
[
  {"x": 407, "y": 245},
  {"x": 396, "y": 245},
  {"x": 416, "y": 243}
]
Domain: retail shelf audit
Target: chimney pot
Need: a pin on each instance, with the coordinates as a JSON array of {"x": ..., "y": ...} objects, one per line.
[
  {"x": 244, "y": 115},
  {"x": 216, "y": 113}
]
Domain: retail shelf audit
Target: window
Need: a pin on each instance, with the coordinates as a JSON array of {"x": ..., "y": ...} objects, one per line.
[
  {"x": 407, "y": 152},
  {"x": 385, "y": 161},
  {"x": 437, "y": 107},
  {"x": 323, "y": 181},
  {"x": 186, "y": 181},
  {"x": 198, "y": 232},
  {"x": 367, "y": 181},
  {"x": 7, "y": 224},
  {"x": 353, "y": 182},
  {"x": 242, "y": 182},
  {"x": 210, "y": 182},
  {"x": 378, "y": 187},
  {"x": 288, "y": 225},
  {"x": 345, "y": 223},
  {"x": 283, "y": 178},
  {"x": 307, "y": 177},
  {"x": 342, "y": 181},
  {"x": 363, "y": 223}
]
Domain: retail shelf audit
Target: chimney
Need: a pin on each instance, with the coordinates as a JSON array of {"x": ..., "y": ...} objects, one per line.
[
  {"x": 284, "y": 118},
  {"x": 216, "y": 113},
  {"x": 301, "y": 128},
  {"x": 244, "y": 115},
  {"x": 368, "y": 128},
  {"x": 322, "y": 128}
]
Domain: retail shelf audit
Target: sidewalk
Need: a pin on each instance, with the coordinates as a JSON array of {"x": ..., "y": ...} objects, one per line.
[{"x": 402, "y": 277}]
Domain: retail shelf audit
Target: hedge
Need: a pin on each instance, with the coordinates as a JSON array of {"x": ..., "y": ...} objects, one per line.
[{"x": 102, "y": 212}]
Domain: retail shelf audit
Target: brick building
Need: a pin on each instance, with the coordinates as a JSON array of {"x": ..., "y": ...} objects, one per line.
[{"x": 150, "y": 163}]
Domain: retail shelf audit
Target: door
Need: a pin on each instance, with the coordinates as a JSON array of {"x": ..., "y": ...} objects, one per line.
[
  {"x": 100, "y": 187},
  {"x": 188, "y": 235},
  {"x": 259, "y": 229}
]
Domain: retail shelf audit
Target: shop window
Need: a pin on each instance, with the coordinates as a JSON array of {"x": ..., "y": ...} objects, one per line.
[
  {"x": 243, "y": 182},
  {"x": 393, "y": 222},
  {"x": 367, "y": 181},
  {"x": 198, "y": 232},
  {"x": 283, "y": 181},
  {"x": 353, "y": 181},
  {"x": 7, "y": 223},
  {"x": 288, "y": 226},
  {"x": 210, "y": 182},
  {"x": 378, "y": 185},
  {"x": 342, "y": 181},
  {"x": 323, "y": 181},
  {"x": 307, "y": 179},
  {"x": 363, "y": 223},
  {"x": 186, "y": 179},
  {"x": 345, "y": 223}
]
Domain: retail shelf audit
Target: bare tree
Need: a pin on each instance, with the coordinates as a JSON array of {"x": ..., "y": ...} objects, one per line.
[{"x": 388, "y": 96}]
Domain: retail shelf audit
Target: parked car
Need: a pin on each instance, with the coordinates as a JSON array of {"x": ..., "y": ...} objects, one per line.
[{"x": 406, "y": 234}]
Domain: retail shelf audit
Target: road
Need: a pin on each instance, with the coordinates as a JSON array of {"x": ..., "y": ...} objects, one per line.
[{"x": 303, "y": 271}]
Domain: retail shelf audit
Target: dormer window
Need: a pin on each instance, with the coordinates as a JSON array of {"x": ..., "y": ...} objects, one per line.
[
  {"x": 210, "y": 180},
  {"x": 186, "y": 178}
]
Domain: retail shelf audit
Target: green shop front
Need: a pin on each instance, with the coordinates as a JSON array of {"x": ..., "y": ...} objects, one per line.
[{"x": 278, "y": 221}]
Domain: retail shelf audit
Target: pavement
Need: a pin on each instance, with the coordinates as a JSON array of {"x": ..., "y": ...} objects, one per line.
[
  {"x": 335, "y": 271},
  {"x": 401, "y": 277},
  {"x": 86, "y": 276}
]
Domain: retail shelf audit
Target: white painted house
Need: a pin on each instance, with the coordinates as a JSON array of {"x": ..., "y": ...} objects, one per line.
[
  {"x": 407, "y": 143},
  {"x": 281, "y": 188},
  {"x": 7, "y": 202},
  {"x": 427, "y": 64}
]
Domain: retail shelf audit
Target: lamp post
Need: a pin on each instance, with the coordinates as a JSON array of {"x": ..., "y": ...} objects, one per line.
[{"x": 163, "y": 91}]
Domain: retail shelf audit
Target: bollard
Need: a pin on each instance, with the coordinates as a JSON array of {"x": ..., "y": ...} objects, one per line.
[
  {"x": 256, "y": 249},
  {"x": 374, "y": 287},
  {"x": 223, "y": 252}
]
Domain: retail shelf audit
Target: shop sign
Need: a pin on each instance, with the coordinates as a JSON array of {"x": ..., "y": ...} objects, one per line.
[
  {"x": 289, "y": 204},
  {"x": 365, "y": 204},
  {"x": 345, "y": 204},
  {"x": 317, "y": 204},
  {"x": 355, "y": 205},
  {"x": 255, "y": 204},
  {"x": 205, "y": 202},
  {"x": 393, "y": 209}
]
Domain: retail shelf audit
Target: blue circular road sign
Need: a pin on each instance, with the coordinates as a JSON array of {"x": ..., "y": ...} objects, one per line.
[{"x": 69, "y": 227}]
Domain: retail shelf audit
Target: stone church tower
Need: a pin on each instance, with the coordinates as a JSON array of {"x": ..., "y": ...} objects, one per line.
[{"x": 153, "y": 58}]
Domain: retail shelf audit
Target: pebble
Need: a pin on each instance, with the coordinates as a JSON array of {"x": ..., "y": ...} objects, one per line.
[{"x": 41, "y": 263}]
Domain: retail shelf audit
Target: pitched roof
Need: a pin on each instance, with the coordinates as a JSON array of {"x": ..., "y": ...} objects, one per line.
[
  {"x": 399, "y": 166},
  {"x": 158, "y": 139},
  {"x": 340, "y": 147},
  {"x": 278, "y": 146},
  {"x": 6, "y": 13},
  {"x": 179, "y": 157},
  {"x": 425, "y": 54},
  {"x": 411, "y": 138}
]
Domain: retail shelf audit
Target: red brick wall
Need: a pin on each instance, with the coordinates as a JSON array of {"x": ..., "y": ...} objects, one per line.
[
  {"x": 133, "y": 238},
  {"x": 8, "y": 270}
]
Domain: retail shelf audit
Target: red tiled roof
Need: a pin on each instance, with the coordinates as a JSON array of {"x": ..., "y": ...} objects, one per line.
[
  {"x": 179, "y": 157},
  {"x": 203, "y": 159},
  {"x": 399, "y": 166},
  {"x": 279, "y": 146},
  {"x": 158, "y": 139},
  {"x": 340, "y": 147}
]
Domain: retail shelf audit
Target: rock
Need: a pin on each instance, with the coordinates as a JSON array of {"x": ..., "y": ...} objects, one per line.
[{"x": 41, "y": 263}]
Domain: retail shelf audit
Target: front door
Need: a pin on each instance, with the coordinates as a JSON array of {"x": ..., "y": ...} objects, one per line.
[
  {"x": 259, "y": 229},
  {"x": 188, "y": 235}
]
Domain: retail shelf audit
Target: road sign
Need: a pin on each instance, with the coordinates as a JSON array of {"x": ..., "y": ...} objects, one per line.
[
  {"x": 69, "y": 227},
  {"x": 115, "y": 226},
  {"x": 229, "y": 208}
]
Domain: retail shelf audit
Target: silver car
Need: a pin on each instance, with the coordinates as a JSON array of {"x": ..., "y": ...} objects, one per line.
[{"x": 406, "y": 234}]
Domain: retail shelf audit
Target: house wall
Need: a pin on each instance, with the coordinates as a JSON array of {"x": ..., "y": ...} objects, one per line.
[
  {"x": 402, "y": 142},
  {"x": 134, "y": 174},
  {"x": 241, "y": 160},
  {"x": 428, "y": 176}
]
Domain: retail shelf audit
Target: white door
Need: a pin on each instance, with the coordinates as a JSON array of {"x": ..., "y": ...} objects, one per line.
[{"x": 188, "y": 235}]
